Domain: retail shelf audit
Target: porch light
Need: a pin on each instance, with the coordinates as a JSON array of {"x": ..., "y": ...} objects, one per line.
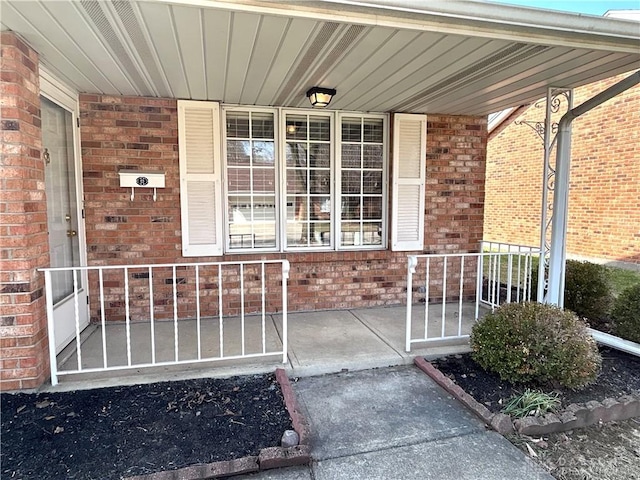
[{"x": 320, "y": 97}]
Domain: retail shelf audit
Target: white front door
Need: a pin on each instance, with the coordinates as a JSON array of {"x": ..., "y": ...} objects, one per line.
[{"x": 63, "y": 218}]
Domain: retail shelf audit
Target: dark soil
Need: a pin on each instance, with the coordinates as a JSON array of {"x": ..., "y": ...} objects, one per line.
[
  {"x": 620, "y": 375},
  {"x": 111, "y": 433}
]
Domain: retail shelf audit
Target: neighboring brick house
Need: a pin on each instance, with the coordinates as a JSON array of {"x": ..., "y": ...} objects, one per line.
[
  {"x": 417, "y": 185},
  {"x": 604, "y": 196}
]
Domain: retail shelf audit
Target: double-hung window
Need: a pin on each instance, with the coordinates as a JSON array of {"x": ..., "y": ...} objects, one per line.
[
  {"x": 259, "y": 179},
  {"x": 362, "y": 173},
  {"x": 251, "y": 173},
  {"x": 308, "y": 179}
]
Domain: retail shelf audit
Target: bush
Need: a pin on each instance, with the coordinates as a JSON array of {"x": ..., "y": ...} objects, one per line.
[
  {"x": 626, "y": 314},
  {"x": 533, "y": 343},
  {"x": 587, "y": 291}
]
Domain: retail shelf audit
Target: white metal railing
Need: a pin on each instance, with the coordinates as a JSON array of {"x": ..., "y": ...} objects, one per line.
[
  {"x": 168, "y": 314},
  {"x": 455, "y": 287},
  {"x": 506, "y": 283}
]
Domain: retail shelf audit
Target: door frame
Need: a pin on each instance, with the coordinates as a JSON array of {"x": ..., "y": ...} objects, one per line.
[{"x": 62, "y": 95}]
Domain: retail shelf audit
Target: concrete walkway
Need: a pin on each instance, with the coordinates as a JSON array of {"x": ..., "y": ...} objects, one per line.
[{"x": 397, "y": 424}]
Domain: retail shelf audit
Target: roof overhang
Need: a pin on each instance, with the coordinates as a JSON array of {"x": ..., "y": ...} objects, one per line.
[{"x": 452, "y": 57}]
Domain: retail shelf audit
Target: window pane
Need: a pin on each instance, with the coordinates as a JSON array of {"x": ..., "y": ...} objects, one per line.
[
  {"x": 238, "y": 152},
  {"x": 373, "y": 130},
  {"x": 238, "y": 180},
  {"x": 264, "y": 180},
  {"x": 351, "y": 181},
  {"x": 238, "y": 124},
  {"x": 372, "y": 208},
  {"x": 372, "y": 182},
  {"x": 351, "y": 129},
  {"x": 252, "y": 221},
  {"x": 296, "y": 127},
  {"x": 350, "y": 208},
  {"x": 320, "y": 155},
  {"x": 262, "y": 125},
  {"x": 320, "y": 181},
  {"x": 351, "y": 156},
  {"x": 296, "y": 154},
  {"x": 373, "y": 156},
  {"x": 320, "y": 129},
  {"x": 263, "y": 153}
]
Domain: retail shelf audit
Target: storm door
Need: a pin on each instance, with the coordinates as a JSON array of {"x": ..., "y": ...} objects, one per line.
[{"x": 63, "y": 219}]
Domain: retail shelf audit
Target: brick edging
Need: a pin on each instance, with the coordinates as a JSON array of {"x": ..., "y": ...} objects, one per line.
[
  {"x": 574, "y": 416},
  {"x": 270, "y": 457}
]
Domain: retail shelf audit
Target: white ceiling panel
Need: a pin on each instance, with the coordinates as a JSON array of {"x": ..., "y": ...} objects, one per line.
[
  {"x": 243, "y": 35},
  {"x": 216, "y": 51},
  {"x": 454, "y": 57},
  {"x": 157, "y": 20},
  {"x": 188, "y": 25},
  {"x": 296, "y": 37}
]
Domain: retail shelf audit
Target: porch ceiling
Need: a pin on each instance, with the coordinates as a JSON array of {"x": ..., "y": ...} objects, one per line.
[{"x": 440, "y": 57}]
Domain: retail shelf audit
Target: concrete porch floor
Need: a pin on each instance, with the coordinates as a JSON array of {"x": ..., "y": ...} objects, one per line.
[{"x": 320, "y": 342}]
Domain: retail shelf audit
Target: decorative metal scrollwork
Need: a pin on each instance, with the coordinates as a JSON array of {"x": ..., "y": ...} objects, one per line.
[{"x": 557, "y": 101}]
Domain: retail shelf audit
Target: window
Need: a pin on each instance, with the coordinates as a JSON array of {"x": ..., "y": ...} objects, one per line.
[
  {"x": 251, "y": 179},
  {"x": 297, "y": 180},
  {"x": 362, "y": 173},
  {"x": 308, "y": 179}
]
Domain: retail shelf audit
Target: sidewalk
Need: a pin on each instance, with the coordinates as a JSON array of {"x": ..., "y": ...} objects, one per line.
[{"x": 397, "y": 424}]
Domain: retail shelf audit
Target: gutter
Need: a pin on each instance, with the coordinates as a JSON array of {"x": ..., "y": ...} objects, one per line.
[{"x": 558, "y": 246}]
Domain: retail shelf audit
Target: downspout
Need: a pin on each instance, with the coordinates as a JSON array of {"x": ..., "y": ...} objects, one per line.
[{"x": 558, "y": 250}]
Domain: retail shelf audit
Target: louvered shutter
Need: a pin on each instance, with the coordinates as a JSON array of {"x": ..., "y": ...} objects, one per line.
[
  {"x": 200, "y": 179},
  {"x": 409, "y": 159}
]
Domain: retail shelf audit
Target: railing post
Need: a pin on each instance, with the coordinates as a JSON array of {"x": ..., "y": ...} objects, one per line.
[
  {"x": 286, "y": 267},
  {"x": 53, "y": 363},
  {"x": 479, "y": 273},
  {"x": 411, "y": 269}
]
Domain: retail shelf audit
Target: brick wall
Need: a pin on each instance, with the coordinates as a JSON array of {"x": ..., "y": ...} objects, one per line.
[
  {"x": 23, "y": 221},
  {"x": 604, "y": 195},
  {"x": 141, "y": 133}
]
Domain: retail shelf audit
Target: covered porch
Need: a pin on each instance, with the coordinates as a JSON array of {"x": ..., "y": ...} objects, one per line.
[
  {"x": 207, "y": 100},
  {"x": 319, "y": 342}
]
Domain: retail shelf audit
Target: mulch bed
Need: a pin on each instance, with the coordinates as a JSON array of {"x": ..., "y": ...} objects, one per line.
[
  {"x": 117, "y": 432},
  {"x": 620, "y": 375}
]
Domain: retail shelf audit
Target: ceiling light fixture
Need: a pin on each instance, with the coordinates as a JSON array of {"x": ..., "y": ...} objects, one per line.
[{"x": 320, "y": 97}]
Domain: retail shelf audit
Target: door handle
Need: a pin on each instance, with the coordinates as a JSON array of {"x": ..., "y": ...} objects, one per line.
[{"x": 71, "y": 233}]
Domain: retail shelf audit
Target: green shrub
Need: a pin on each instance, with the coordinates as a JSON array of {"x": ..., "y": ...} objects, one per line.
[
  {"x": 587, "y": 291},
  {"x": 533, "y": 343},
  {"x": 626, "y": 314}
]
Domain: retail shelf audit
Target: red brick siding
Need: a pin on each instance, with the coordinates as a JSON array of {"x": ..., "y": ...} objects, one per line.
[
  {"x": 604, "y": 195},
  {"x": 23, "y": 221},
  {"x": 141, "y": 133}
]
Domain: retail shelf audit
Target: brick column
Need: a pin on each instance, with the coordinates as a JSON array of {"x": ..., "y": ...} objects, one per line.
[{"x": 24, "y": 244}]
